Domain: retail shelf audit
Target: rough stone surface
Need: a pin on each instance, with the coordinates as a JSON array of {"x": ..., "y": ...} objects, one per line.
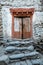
[
  {"x": 4, "y": 60},
  {"x": 37, "y": 61},
  {"x": 1, "y": 27},
  {"x": 6, "y": 19},
  {"x": 6, "y": 23},
  {"x": 21, "y": 58},
  {"x": 37, "y": 23},
  {"x": 28, "y": 62},
  {"x": 12, "y": 48},
  {"x": 22, "y": 55}
]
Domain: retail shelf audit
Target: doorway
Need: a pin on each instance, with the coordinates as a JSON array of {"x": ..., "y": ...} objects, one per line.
[
  {"x": 21, "y": 22},
  {"x": 21, "y": 27}
]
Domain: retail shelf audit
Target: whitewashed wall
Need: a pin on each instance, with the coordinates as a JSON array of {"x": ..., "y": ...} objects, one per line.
[{"x": 7, "y": 21}]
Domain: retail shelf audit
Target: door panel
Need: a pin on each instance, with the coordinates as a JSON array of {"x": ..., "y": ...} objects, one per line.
[
  {"x": 26, "y": 27},
  {"x": 17, "y": 27},
  {"x": 21, "y": 27}
]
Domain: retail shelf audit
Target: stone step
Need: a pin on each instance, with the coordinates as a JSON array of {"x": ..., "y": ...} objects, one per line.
[
  {"x": 31, "y": 55},
  {"x": 4, "y": 60},
  {"x": 13, "y": 43},
  {"x": 28, "y": 62},
  {"x": 17, "y": 63},
  {"x": 13, "y": 48},
  {"x": 23, "y": 63},
  {"x": 37, "y": 62}
]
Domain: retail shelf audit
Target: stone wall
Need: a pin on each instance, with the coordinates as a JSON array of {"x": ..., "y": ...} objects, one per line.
[
  {"x": 37, "y": 17},
  {"x": 38, "y": 25},
  {"x": 1, "y": 27}
]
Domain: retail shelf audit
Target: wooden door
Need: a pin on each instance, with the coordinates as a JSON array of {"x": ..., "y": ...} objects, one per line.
[
  {"x": 17, "y": 27},
  {"x": 26, "y": 27},
  {"x": 21, "y": 27}
]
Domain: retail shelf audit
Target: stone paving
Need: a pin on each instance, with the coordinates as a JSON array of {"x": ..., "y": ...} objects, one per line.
[{"x": 19, "y": 54}]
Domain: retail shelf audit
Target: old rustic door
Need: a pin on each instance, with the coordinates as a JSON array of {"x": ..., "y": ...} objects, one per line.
[
  {"x": 17, "y": 27},
  {"x": 26, "y": 27},
  {"x": 22, "y": 22},
  {"x": 21, "y": 27}
]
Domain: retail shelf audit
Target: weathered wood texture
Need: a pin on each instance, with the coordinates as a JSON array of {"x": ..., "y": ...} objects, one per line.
[{"x": 22, "y": 12}]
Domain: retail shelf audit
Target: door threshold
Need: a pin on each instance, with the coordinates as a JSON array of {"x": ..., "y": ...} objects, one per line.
[{"x": 15, "y": 39}]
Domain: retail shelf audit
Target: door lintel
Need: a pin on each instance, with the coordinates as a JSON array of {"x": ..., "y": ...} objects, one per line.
[{"x": 22, "y": 11}]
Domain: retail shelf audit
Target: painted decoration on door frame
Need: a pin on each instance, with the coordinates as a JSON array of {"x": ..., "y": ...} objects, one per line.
[{"x": 21, "y": 12}]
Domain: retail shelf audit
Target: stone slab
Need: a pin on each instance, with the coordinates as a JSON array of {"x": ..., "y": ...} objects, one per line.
[
  {"x": 28, "y": 62},
  {"x": 37, "y": 61},
  {"x": 4, "y": 59},
  {"x": 22, "y": 55},
  {"x": 12, "y": 48}
]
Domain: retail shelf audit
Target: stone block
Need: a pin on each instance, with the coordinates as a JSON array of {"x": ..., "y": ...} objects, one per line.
[
  {"x": 12, "y": 48},
  {"x": 31, "y": 55},
  {"x": 37, "y": 62},
  {"x": 4, "y": 60},
  {"x": 28, "y": 62}
]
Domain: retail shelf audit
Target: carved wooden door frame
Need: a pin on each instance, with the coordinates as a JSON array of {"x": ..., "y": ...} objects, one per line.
[{"x": 22, "y": 12}]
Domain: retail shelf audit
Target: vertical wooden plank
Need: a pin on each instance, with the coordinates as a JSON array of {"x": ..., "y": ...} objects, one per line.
[
  {"x": 26, "y": 27},
  {"x": 20, "y": 28},
  {"x": 17, "y": 27}
]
